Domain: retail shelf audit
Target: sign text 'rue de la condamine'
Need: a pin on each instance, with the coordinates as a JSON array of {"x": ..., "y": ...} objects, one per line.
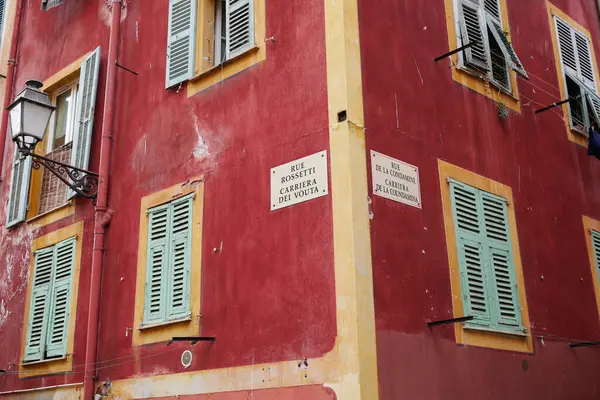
[
  {"x": 395, "y": 180},
  {"x": 300, "y": 180}
]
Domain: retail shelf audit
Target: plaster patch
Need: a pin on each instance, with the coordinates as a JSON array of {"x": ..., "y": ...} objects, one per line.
[{"x": 201, "y": 149}]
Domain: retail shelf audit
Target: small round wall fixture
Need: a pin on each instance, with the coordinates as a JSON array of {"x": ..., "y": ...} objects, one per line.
[{"x": 186, "y": 359}]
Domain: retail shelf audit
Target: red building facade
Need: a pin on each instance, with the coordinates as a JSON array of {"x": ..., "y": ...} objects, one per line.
[{"x": 188, "y": 109}]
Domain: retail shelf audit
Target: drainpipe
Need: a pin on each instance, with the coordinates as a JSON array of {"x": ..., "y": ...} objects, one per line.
[
  {"x": 102, "y": 213},
  {"x": 10, "y": 78}
]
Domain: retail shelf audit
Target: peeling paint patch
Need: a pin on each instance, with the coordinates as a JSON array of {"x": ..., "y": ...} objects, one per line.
[{"x": 201, "y": 149}]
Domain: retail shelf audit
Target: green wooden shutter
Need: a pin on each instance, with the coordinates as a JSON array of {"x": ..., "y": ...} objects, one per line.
[
  {"x": 181, "y": 41},
  {"x": 596, "y": 247},
  {"x": 492, "y": 8},
  {"x": 60, "y": 305},
  {"x": 86, "y": 106},
  {"x": 157, "y": 264},
  {"x": 506, "y": 310},
  {"x": 584, "y": 60},
  {"x": 178, "y": 299},
  {"x": 2, "y": 18},
  {"x": 18, "y": 197},
  {"x": 471, "y": 23},
  {"x": 505, "y": 46},
  {"x": 469, "y": 234},
  {"x": 239, "y": 22},
  {"x": 38, "y": 309}
]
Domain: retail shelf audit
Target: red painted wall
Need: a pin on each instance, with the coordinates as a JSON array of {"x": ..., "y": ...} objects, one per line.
[
  {"x": 553, "y": 180},
  {"x": 269, "y": 295}
]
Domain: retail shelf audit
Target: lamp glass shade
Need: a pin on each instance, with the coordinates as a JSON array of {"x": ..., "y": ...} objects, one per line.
[
  {"x": 16, "y": 120},
  {"x": 35, "y": 119}
]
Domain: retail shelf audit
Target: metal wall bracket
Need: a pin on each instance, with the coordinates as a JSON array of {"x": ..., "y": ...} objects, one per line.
[
  {"x": 451, "y": 53},
  {"x": 450, "y": 321},
  {"x": 191, "y": 339}
]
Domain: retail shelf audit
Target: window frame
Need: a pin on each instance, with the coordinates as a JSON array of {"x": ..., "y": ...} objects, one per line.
[
  {"x": 160, "y": 332},
  {"x": 65, "y": 363},
  {"x": 73, "y": 86},
  {"x": 465, "y": 333},
  {"x": 591, "y": 226}
]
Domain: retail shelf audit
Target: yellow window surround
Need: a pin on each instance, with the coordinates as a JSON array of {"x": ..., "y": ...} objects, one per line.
[
  {"x": 590, "y": 225},
  {"x": 187, "y": 327},
  {"x": 495, "y": 340},
  {"x": 470, "y": 79},
  {"x": 51, "y": 85},
  {"x": 555, "y": 11},
  {"x": 56, "y": 366},
  {"x": 205, "y": 73}
]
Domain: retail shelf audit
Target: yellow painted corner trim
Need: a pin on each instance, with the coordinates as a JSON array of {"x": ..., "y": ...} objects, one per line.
[
  {"x": 469, "y": 337},
  {"x": 63, "y": 76},
  {"x": 589, "y": 225},
  {"x": 206, "y": 74},
  {"x": 191, "y": 327},
  {"x": 66, "y": 364},
  {"x": 473, "y": 82},
  {"x": 52, "y": 216},
  {"x": 555, "y": 11}
]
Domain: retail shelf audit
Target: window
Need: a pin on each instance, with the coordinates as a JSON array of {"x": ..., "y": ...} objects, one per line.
[
  {"x": 491, "y": 55},
  {"x": 68, "y": 140},
  {"x": 592, "y": 232},
  {"x": 50, "y": 302},
  {"x": 167, "y": 290},
  {"x": 204, "y": 34},
  {"x": 485, "y": 258},
  {"x": 579, "y": 73},
  {"x": 48, "y": 4}
]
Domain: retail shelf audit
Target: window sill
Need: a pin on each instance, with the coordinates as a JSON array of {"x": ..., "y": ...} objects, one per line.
[
  {"x": 167, "y": 323},
  {"x": 495, "y": 331},
  {"x": 212, "y": 70},
  {"x": 483, "y": 78},
  {"x": 56, "y": 214},
  {"x": 26, "y": 364}
]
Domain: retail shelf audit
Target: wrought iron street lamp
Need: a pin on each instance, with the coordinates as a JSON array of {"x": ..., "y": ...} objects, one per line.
[{"x": 29, "y": 116}]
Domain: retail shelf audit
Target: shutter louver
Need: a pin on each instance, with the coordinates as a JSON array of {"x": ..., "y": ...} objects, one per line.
[
  {"x": 492, "y": 7},
  {"x": 495, "y": 218},
  {"x": 19, "y": 191},
  {"x": 465, "y": 206},
  {"x": 61, "y": 299},
  {"x": 505, "y": 296},
  {"x": 584, "y": 58},
  {"x": 596, "y": 246},
  {"x": 475, "y": 292},
  {"x": 239, "y": 27},
  {"x": 86, "y": 106},
  {"x": 565, "y": 44},
  {"x": 178, "y": 301},
  {"x": 181, "y": 41},
  {"x": 158, "y": 238},
  {"x": 2, "y": 17},
  {"x": 38, "y": 312}
]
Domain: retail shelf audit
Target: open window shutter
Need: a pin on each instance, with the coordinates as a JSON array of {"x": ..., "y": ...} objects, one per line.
[
  {"x": 181, "y": 41},
  {"x": 471, "y": 29},
  {"x": 156, "y": 266},
  {"x": 566, "y": 47},
  {"x": 86, "y": 105},
  {"x": 2, "y": 17},
  {"x": 466, "y": 213},
  {"x": 505, "y": 296},
  {"x": 60, "y": 306},
  {"x": 38, "y": 309},
  {"x": 507, "y": 49},
  {"x": 584, "y": 58},
  {"x": 19, "y": 191},
  {"x": 239, "y": 20},
  {"x": 178, "y": 303},
  {"x": 593, "y": 100},
  {"x": 48, "y": 4},
  {"x": 492, "y": 8}
]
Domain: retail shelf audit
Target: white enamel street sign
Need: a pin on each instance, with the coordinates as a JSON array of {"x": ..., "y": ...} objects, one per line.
[
  {"x": 395, "y": 180},
  {"x": 299, "y": 181}
]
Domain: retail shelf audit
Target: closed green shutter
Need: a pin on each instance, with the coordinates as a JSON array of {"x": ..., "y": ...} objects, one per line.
[
  {"x": 178, "y": 301},
  {"x": 50, "y": 302},
  {"x": 156, "y": 265},
  {"x": 167, "y": 290},
  {"x": 38, "y": 309},
  {"x": 485, "y": 258},
  {"x": 471, "y": 24},
  {"x": 239, "y": 22},
  {"x": 18, "y": 197},
  {"x": 86, "y": 106},
  {"x": 181, "y": 41},
  {"x": 60, "y": 305}
]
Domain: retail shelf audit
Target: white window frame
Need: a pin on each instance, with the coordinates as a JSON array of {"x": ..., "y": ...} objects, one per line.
[{"x": 73, "y": 86}]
